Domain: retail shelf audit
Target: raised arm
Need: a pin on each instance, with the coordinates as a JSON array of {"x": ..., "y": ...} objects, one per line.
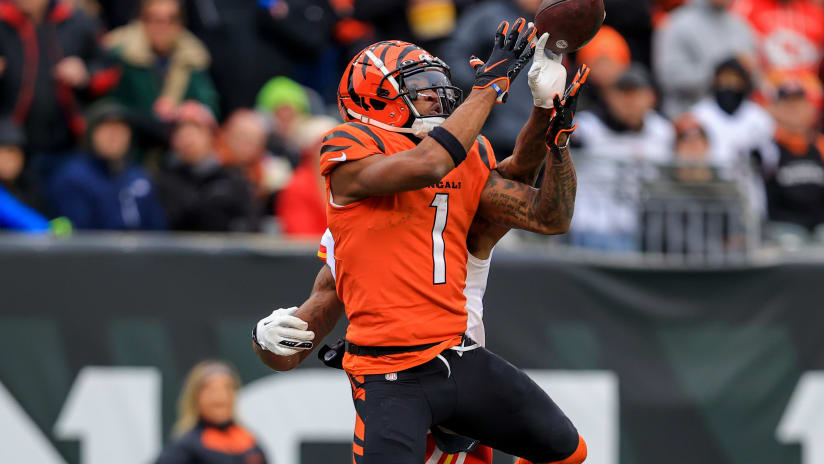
[
  {"x": 547, "y": 78},
  {"x": 319, "y": 314},
  {"x": 547, "y": 210},
  {"x": 423, "y": 165},
  {"x": 430, "y": 160}
]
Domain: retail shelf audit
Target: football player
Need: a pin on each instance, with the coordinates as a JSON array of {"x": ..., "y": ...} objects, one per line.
[{"x": 401, "y": 271}]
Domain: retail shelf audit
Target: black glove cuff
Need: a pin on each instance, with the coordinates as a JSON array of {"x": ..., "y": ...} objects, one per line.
[
  {"x": 254, "y": 337},
  {"x": 449, "y": 143}
]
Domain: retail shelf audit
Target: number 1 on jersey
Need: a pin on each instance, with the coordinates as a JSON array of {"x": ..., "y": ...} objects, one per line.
[{"x": 441, "y": 205}]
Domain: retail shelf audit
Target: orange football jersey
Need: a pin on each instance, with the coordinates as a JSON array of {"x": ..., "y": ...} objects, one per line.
[{"x": 401, "y": 259}]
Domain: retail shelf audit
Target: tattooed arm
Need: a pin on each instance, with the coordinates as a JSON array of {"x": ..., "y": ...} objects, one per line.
[
  {"x": 523, "y": 166},
  {"x": 322, "y": 311},
  {"x": 547, "y": 210},
  {"x": 530, "y": 149}
]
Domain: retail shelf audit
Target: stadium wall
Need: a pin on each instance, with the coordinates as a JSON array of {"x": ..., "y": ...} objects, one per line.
[{"x": 655, "y": 365}]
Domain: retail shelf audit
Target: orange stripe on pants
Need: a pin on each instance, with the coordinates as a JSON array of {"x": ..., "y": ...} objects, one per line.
[{"x": 579, "y": 456}]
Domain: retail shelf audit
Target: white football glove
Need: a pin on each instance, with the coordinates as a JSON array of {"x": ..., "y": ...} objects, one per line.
[
  {"x": 284, "y": 334},
  {"x": 547, "y": 76}
]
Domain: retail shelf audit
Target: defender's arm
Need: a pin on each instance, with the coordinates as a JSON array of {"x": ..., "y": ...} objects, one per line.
[
  {"x": 530, "y": 149},
  {"x": 522, "y": 166},
  {"x": 322, "y": 311},
  {"x": 548, "y": 210},
  {"x": 547, "y": 79}
]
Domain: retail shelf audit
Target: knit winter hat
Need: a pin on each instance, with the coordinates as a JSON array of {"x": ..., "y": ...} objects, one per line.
[{"x": 282, "y": 91}]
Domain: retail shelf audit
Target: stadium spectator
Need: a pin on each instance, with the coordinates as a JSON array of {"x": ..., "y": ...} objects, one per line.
[
  {"x": 16, "y": 211},
  {"x": 633, "y": 20},
  {"x": 793, "y": 166},
  {"x": 13, "y": 177},
  {"x": 661, "y": 10},
  {"x": 471, "y": 37},
  {"x": 619, "y": 146},
  {"x": 206, "y": 431},
  {"x": 116, "y": 13},
  {"x": 688, "y": 46},
  {"x": 735, "y": 124},
  {"x": 630, "y": 128},
  {"x": 198, "y": 193},
  {"x": 692, "y": 151},
  {"x": 103, "y": 189},
  {"x": 353, "y": 35},
  {"x": 251, "y": 41},
  {"x": 423, "y": 22},
  {"x": 609, "y": 57},
  {"x": 162, "y": 63},
  {"x": 287, "y": 104},
  {"x": 242, "y": 144},
  {"x": 789, "y": 33},
  {"x": 44, "y": 92},
  {"x": 301, "y": 205}
]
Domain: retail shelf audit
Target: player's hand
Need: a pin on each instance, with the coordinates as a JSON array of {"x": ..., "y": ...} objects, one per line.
[
  {"x": 512, "y": 50},
  {"x": 284, "y": 334},
  {"x": 547, "y": 76},
  {"x": 561, "y": 125}
]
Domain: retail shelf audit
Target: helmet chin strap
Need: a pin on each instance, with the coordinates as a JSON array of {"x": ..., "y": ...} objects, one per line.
[{"x": 420, "y": 126}]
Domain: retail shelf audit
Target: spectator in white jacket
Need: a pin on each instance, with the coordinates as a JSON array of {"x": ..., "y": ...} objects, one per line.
[
  {"x": 687, "y": 47},
  {"x": 619, "y": 148},
  {"x": 735, "y": 124}
]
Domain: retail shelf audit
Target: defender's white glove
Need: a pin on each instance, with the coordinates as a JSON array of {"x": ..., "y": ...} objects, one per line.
[
  {"x": 547, "y": 76},
  {"x": 284, "y": 334}
]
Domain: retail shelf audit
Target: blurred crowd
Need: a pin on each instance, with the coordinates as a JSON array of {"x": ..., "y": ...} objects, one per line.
[{"x": 206, "y": 115}]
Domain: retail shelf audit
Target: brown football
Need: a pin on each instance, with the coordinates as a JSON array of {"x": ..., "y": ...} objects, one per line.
[{"x": 570, "y": 23}]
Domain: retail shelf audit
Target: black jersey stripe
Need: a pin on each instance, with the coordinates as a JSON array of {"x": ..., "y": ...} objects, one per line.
[
  {"x": 344, "y": 135},
  {"x": 328, "y": 148},
  {"x": 366, "y": 130}
]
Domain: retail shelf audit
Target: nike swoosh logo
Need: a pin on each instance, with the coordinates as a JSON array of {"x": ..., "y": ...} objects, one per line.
[
  {"x": 486, "y": 69},
  {"x": 339, "y": 158}
]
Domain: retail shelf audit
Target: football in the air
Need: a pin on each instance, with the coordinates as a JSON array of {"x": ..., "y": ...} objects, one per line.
[{"x": 570, "y": 23}]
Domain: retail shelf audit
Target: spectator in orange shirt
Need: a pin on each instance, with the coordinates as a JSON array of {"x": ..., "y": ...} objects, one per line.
[{"x": 609, "y": 57}]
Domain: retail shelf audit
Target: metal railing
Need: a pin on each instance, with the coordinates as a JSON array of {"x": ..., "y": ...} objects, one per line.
[{"x": 668, "y": 213}]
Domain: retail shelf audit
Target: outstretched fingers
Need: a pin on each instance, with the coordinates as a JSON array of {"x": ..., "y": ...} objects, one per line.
[
  {"x": 475, "y": 62},
  {"x": 500, "y": 34},
  {"x": 540, "y": 45},
  {"x": 579, "y": 80}
]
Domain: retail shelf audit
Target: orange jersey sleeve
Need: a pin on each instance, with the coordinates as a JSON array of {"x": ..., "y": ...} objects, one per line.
[
  {"x": 349, "y": 142},
  {"x": 401, "y": 261}
]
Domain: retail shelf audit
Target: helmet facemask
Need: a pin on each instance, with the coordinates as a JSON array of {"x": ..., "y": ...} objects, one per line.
[
  {"x": 425, "y": 79},
  {"x": 433, "y": 83}
]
